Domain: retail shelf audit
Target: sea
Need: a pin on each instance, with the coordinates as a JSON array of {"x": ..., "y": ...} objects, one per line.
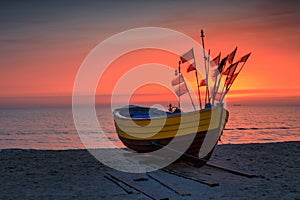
[{"x": 53, "y": 127}]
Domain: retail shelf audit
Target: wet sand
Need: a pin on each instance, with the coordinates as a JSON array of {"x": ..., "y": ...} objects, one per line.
[{"x": 75, "y": 174}]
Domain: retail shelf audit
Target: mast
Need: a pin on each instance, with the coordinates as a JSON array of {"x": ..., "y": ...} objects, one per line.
[
  {"x": 179, "y": 74},
  {"x": 198, "y": 86},
  {"x": 205, "y": 59},
  {"x": 207, "y": 74}
]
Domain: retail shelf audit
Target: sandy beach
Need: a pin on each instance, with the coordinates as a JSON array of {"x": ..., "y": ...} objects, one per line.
[{"x": 75, "y": 174}]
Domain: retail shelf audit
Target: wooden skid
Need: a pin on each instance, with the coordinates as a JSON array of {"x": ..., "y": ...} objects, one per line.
[
  {"x": 129, "y": 181},
  {"x": 236, "y": 172},
  {"x": 177, "y": 173},
  {"x": 123, "y": 186},
  {"x": 168, "y": 185}
]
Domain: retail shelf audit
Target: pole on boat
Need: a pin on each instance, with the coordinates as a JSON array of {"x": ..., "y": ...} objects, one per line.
[
  {"x": 189, "y": 94},
  {"x": 206, "y": 80},
  {"x": 205, "y": 60},
  {"x": 220, "y": 70},
  {"x": 214, "y": 91},
  {"x": 179, "y": 74},
  {"x": 198, "y": 86}
]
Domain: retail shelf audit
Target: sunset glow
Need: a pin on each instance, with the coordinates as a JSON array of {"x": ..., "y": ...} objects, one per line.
[{"x": 42, "y": 49}]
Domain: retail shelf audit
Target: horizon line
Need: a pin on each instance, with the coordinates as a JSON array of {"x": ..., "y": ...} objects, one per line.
[
  {"x": 244, "y": 92},
  {"x": 66, "y": 101}
]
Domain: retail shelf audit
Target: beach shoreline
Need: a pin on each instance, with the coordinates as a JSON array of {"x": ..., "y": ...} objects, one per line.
[{"x": 76, "y": 174}]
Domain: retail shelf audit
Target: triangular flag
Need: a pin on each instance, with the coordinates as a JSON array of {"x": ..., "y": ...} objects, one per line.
[
  {"x": 222, "y": 64},
  {"x": 230, "y": 80},
  {"x": 187, "y": 56},
  {"x": 231, "y": 56},
  {"x": 245, "y": 57},
  {"x": 192, "y": 67},
  {"x": 181, "y": 90},
  {"x": 231, "y": 69},
  {"x": 202, "y": 82},
  {"x": 177, "y": 80},
  {"x": 216, "y": 60}
]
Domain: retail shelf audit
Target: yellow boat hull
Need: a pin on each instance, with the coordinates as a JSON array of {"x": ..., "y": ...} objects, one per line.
[{"x": 200, "y": 129}]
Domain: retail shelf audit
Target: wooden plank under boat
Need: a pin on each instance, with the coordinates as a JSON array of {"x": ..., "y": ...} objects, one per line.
[{"x": 145, "y": 130}]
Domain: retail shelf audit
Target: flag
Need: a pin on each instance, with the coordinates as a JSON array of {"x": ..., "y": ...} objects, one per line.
[
  {"x": 222, "y": 64},
  {"x": 192, "y": 67},
  {"x": 245, "y": 58},
  {"x": 202, "y": 82},
  {"x": 231, "y": 69},
  {"x": 177, "y": 80},
  {"x": 216, "y": 60},
  {"x": 181, "y": 90},
  {"x": 230, "y": 80},
  {"x": 231, "y": 56},
  {"x": 187, "y": 56}
]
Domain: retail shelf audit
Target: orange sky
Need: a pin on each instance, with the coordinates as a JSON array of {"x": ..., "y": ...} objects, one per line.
[{"x": 42, "y": 49}]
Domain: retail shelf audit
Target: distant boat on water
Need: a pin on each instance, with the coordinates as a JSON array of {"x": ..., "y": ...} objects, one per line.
[{"x": 145, "y": 129}]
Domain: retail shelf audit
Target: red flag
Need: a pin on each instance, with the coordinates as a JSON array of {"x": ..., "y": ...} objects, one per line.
[
  {"x": 216, "y": 60},
  {"x": 181, "y": 89},
  {"x": 177, "y": 80},
  {"x": 192, "y": 67},
  {"x": 202, "y": 82},
  {"x": 231, "y": 69},
  {"x": 230, "y": 80},
  {"x": 245, "y": 58},
  {"x": 231, "y": 56},
  {"x": 187, "y": 56},
  {"x": 222, "y": 64}
]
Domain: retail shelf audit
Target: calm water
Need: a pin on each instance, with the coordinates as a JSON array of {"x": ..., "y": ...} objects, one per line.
[{"x": 53, "y": 128}]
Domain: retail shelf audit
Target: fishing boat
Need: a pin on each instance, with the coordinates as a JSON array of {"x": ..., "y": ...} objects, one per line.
[
  {"x": 142, "y": 133},
  {"x": 145, "y": 129}
]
